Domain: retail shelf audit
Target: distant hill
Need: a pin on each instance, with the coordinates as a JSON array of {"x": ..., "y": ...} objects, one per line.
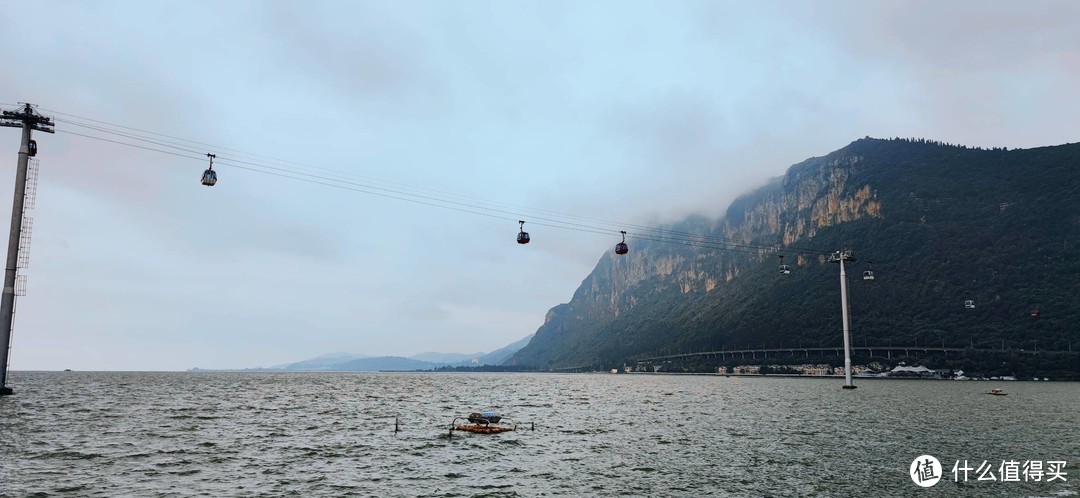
[
  {"x": 499, "y": 356},
  {"x": 941, "y": 223},
  {"x": 447, "y": 357},
  {"x": 347, "y": 362},
  {"x": 323, "y": 362},
  {"x": 378, "y": 363}
]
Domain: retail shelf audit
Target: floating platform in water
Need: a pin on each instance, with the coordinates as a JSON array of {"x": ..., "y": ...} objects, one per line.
[
  {"x": 483, "y": 429},
  {"x": 482, "y": 423}
]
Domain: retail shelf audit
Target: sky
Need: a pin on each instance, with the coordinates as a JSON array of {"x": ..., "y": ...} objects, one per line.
[{"x": 628, "y": 111}]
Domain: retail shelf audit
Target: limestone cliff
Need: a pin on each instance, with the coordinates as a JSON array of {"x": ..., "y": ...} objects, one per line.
[{"x": 667, "y": 297}]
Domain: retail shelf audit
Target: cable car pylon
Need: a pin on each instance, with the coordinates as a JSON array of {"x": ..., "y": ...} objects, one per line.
[
  {"x": 27, "y": 119},
  {"x": 840, "y": 257}
]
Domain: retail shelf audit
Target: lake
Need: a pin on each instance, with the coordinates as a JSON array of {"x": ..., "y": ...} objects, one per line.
[{"x": 332, "y": 434}]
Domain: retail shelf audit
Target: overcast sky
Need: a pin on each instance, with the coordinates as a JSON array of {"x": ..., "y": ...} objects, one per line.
[{"x": 640, "y": 112}]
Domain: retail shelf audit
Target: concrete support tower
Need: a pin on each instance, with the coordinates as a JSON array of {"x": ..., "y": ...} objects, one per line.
[
  {"x": 27, "y": 119},
  {"x": 841, "y": 257}
]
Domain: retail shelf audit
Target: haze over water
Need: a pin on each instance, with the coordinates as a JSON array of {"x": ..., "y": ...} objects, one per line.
[{"x": 315, "y": 434}]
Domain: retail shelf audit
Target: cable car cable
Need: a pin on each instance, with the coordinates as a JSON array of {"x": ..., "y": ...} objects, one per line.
[
  {"x": 127, "y": 144},
  {"x": 367, "y": 189},
  {"x": 336, "y": 173},
  {"x": 661, "y": 230},
  {"x": 682, "y": 237},
  {"x": 688, "y": 241}
]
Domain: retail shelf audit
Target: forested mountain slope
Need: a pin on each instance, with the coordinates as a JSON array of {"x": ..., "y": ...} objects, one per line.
[{"x": 941, "y": 224}]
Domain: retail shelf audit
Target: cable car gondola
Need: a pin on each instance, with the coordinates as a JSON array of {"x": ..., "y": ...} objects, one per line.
[
  {"x": 621, "y": 247},
  {"x": 1035, "y": 312},
  {"x": 969, "y": 304},
  {"x": 784, "y": 269},
  {"x": 869, "y": 274},
  {"x": 31, "y": 148},
  {"x": 522, "y": 236},
  {"x": 209, "y": 177}
]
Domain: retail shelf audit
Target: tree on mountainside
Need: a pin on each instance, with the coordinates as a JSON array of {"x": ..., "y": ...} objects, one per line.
[{"x": 953, "y": 223}]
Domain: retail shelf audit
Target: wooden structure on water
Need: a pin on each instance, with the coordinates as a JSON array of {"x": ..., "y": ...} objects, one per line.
[{"x": 483, "y": 423}]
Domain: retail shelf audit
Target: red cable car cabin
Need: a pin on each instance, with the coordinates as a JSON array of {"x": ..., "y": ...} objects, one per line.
[
  {"x": 522, "y": 236},
  {"x": 621, "y": 247}
]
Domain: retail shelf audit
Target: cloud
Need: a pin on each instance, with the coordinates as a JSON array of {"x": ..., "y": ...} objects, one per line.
[
  {"x": 596, "y": 114},
  {"x": 369, "y": 55},
  {"x": 966, "y": 72}
]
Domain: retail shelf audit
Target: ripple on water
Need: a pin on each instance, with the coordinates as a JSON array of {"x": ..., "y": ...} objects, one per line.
[{"x": 257, "y": 434}]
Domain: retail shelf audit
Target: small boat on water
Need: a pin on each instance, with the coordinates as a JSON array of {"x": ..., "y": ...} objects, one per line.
[
  {"x": 483, "y": 423},
  {"x": 997, "y": 392}
]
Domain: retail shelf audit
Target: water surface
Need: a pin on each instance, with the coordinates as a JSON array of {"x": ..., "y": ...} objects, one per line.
[{"x": 315, "y": 434}]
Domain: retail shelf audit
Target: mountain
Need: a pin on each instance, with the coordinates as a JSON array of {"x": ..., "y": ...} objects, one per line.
[
  {"x": 378, "y": 363},
  {"x": 322, "y": 362},
  {"x": 941, "y": 223},
  {"x": 346, "y": 362},
  {"x": 447, "y": 357},
  {"x": 504, "y": 353},
  {"x": 356, "y": 363}
]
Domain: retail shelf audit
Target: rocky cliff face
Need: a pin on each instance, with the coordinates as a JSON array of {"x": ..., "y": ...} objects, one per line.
[
  {"x": 665, "y": 297},
  {"x": 814, "y": 194}
]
